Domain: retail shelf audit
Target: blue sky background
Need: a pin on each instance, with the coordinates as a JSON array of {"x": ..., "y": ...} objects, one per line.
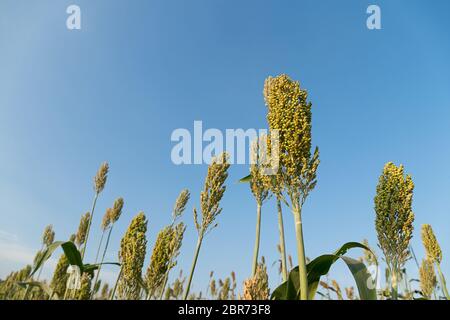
[{"x": 137, "y": 70}]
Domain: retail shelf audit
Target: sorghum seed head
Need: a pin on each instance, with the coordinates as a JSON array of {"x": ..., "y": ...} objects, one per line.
[
  {"x": 427, "y": 278},
  {"x": 394, "y": 216},
  {"x": 106, "y": 219},
  {"x": 212, "y": 193},
  {"x": 432, "y": 247},
  {"x": 180, "y": 204},
  {"x": 48, "y": 236},
  {"x": 116, "y": 210},
  {"x": 80, "y": 238},
  {"x": 131, "y": 255},
  {"x": 257, "y": 288},
  {"x": 289, "y": 113},
  {"x": 101, "y": 177}
]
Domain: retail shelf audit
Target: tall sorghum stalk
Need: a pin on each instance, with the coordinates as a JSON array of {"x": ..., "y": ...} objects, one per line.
[
  {"x": 260, "y": 193},
  {"x": 434, "y": 254},
  {"x": 210, "y": 197},
  {"x": 394, "y": 220},
  {"x": 284, "y": 271},
  {"x": 110, "y": 218},
  {"x": 99, "y": 184},
  {"x": 289, "y": 114}
]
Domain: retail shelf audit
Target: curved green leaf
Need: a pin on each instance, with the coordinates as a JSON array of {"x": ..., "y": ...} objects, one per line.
[
  {"x": 45, "y": 256},
  {"x": 320, "y": 266}
]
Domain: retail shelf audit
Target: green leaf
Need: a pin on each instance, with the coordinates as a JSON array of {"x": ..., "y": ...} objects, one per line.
[
  {"x": 246, "y": 179},
  {"x": 90, "y": 268},
  {"x": 320, "y": 266},
  {"x": 72, "y": 254},
  {"x": 45, "y": 256}
]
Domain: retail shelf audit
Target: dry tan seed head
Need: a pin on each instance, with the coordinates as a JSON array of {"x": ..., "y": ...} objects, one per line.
[{"x": 101, "y": 177}]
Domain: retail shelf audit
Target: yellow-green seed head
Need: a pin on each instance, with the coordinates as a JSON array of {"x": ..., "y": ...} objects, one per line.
[
  {"x": 290, "y": 114},
  {"x": 394, "y": 216},
  {"x": 432, "y": 248},
  {"x": 131, "y": 255},
  {"x": 427, "y": 278},
  {"x": 212, "y": 193}
]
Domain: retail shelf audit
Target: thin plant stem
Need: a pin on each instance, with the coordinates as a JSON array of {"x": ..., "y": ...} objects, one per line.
[
  {"x": 284, "y": 271},
  {"x": 442, "y": 281},
  {"x": 99, "y": 246},
  {"x": 103, "y": 256},
  {"x": 257, "y": 239},
  {"x": 301, "y": 252},
  {"x": 94, "y": 202},
  {"x": 113, "y": 293},
  {"x": 194, "y": 263}
]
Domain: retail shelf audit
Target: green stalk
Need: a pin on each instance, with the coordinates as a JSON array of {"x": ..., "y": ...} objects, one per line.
[
  {"x": 194, "y": 263},
  {"x": 103, "y": 256},
  {"x": 113, "y": 293},
  {"x": 442, "y": 281},
  {"x": 282, "y": 242},
  {"x": 99, "y": 247},
  {"x": 301, "y": 252},
  {"x": 258, "y": 236},
  {"x": 89, "y": 225},
  {"x": 394, "y": 285}
]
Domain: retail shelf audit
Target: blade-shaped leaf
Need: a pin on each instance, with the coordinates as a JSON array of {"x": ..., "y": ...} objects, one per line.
[
  {"x": 320, "y": 266},
  {"x": 72, "y": 254},
  {"x": 45, "y": 256},
  {"x": 246, "y": 179}
]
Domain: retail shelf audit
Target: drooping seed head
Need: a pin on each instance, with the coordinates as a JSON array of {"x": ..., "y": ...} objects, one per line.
[
  {"x": 432, "y": 247},
  {"x": 106, "y": 220},
  {"x": 163, "y": 259},
  {"x": 394, "y": 216},
  {"x": 212, "y": 193},
  {"x": 80, "y": 238},
  {"x": 101, "y": 177},
  {"x": 116, "y": 210},
  {"x": 180, "y": 204}
]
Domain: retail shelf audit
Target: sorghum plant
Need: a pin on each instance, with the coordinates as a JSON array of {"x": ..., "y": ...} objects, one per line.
[
  {"x": 394, "y": 219},
  {"x": 290, "y": 114},
  {"x": 210, "y": 197},
  {"x": 110, "y": 218},
  {"x": 434, "y": 254},
  {"x": 99, "y": 184},
  {"x": 132, "y": 254},
  {"x": 260, "y": 193},
  {"x": 167, "y": 246}
]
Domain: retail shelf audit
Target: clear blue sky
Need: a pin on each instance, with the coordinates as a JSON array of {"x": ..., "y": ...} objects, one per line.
[{"x": 137, "y": 70}]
